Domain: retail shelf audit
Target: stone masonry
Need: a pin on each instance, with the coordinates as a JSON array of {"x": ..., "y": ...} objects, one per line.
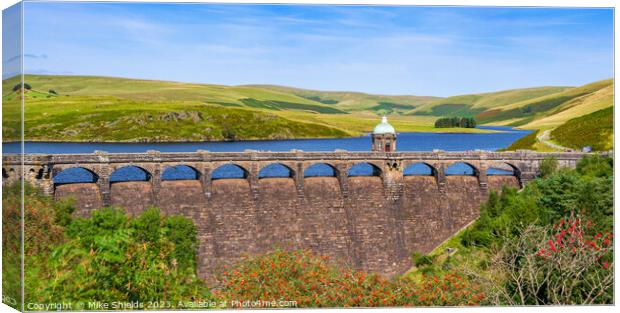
[{"x": 373, "y": 223}]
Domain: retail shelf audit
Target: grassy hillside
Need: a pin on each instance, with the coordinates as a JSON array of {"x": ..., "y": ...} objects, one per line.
[
  {"x": 104, "y": 118},
  {"x": 473, "y": 104},
  {"x": 356, "y": 101},
  {"x": 88, "y": 108},
  {"x": 152, "y": 90},
  {"x": 594, "y": 129},
  {"x": 579, "y": 106},
  {"x": 526, "y": 112}
]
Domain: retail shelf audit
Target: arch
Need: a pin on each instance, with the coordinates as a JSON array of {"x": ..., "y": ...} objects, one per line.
[
  {"x": 502, "y": 169},
  {"x": 229, "y": 171},
  {"x": 420, "y": 169},
  {"x": 320, "y": 170},
  {"x": 37, "y": 174},
  {"x": 180, "y": 172},
  {"x": 364, "y": 169},
  {"x": 274, "y": 170},
  {"x": 129, "y": 173},
  {"x": 461, "y": 169},
  {"x": 75, "y": 175},
  {"x": 4, "y": 173}
]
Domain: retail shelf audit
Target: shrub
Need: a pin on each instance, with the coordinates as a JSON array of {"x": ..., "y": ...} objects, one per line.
[
  {"x": 110, "y": 257},
  {"x": 571, "y": 267},
  {"x": 548, "y": 166},
  {"x": 19, "y": 86},
  {"x": 311, "y": 282}
]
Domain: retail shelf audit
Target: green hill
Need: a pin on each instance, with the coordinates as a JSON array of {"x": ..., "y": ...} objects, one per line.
[
  {"x": 473, "y": 104},
  {"x": 92, "y": 108},
  {"x": 594, "y": 130},
  {"x": 528, "y": 111},
  {"x": 153, "y": 90},
  {"x": 105, "y": 118},
  {"x": 356, "y": 101}
]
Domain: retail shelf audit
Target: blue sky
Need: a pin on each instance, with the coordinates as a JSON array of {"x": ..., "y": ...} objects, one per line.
[{"x": 437, "y": 51}]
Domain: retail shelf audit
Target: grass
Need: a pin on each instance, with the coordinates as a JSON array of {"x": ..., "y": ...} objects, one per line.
[
  {"x": 594, "y": 130},
  {"x": 527, "y": 112},
  {"x": 104, "y": 109},
  {"x": 580, "y": 106},
  {"x": 356, "y": 101},
  {"x": 105, "y": 118},
  {"x": 91, "y": 108},
  {"x": 525, "y": 143},
  {"x": 472, "y": 104}
]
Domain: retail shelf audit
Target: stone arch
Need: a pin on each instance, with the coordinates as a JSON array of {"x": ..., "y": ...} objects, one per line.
[
  {"x": 129, "y": 173},
  {"x": 461, "y": 168},
  {"x": 320, "y": 169},
  {"x": 34, "y": 173},
  {"x": 75, "y": 175},
  {"x": 274, "y": 170},
  {"x": 364, "y": 169},
  {"x": 229, "y": 171},
  {"x": 505, "y": 168},
  {"x": 180, "y": 172},
  {"x": 5, "y": 174},
  {"x": 419, "y": 169}
]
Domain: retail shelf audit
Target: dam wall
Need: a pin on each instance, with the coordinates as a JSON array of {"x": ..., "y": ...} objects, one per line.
[{"x": 372, "y": 222}]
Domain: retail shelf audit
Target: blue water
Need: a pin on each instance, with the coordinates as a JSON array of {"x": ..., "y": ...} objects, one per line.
[{"x": 405, "y": 142}]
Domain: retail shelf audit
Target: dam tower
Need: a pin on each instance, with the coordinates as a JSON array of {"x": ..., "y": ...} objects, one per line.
[{"x": 384, "y": 137}]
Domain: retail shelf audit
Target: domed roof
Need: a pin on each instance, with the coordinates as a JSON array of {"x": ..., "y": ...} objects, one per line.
[{"x": 384, "y": 127}]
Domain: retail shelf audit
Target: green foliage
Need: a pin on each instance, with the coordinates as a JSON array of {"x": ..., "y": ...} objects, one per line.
[
  {"x": 19, "y": 86},
  {"x": 595, "y": 166},
  {"x": 420, "y": 259},
  {"x": 548, "y": 166},
  {"x": 183, "y": 233},
  {"x": 107, "y": 257},
  {"x": 524, "y": 143},
  {"x": 587, "y": 190},
  {"x": 463, "y": 122},
  {"x": 594, "y": 130}
]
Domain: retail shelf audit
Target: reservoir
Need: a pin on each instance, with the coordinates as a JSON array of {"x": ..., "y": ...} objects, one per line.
[{"x": 418, "y": 141}]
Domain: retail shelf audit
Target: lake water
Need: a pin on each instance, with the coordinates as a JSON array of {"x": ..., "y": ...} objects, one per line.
[{"x": 405, "y": 142}]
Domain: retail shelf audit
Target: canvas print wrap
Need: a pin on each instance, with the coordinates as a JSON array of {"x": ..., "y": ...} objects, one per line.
[{"x": 232, "y": 156}]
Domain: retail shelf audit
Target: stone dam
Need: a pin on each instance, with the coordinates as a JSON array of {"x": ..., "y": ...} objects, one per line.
[{"x": 371, "y": 222}]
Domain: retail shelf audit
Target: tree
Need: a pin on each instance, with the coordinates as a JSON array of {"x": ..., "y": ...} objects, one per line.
[{"x": 19, "y": 86}]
